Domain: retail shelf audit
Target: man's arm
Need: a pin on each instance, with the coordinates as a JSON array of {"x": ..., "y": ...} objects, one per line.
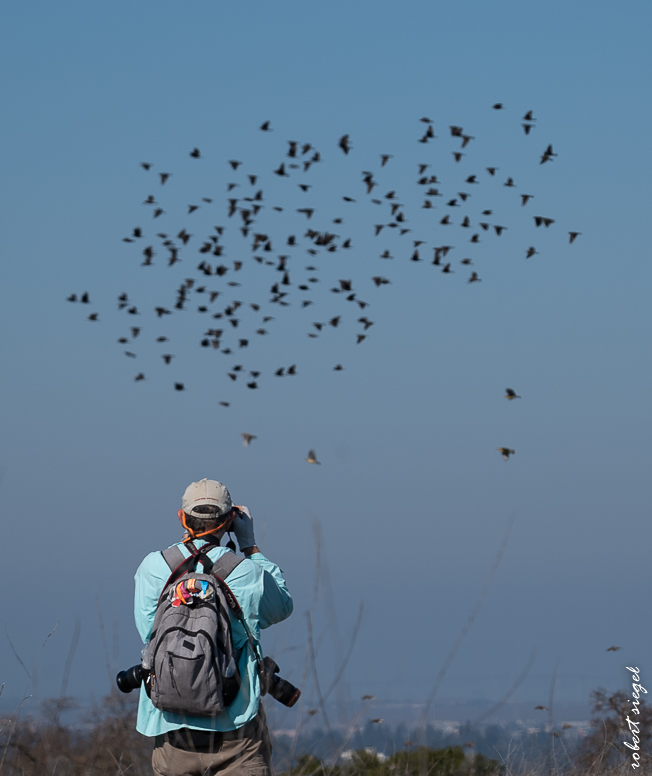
[
  {"x": 276, "y": 602},
  {"x": 150, "y": 578}
]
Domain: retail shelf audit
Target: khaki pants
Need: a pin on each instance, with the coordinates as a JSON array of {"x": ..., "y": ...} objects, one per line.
[{"x": 246, "y": 751}]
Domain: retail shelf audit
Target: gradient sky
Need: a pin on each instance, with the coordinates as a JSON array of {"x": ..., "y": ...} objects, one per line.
[{"x": 411, "y": 497}]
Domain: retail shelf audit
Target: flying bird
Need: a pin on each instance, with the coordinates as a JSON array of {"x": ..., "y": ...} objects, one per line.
[
  {"x": 510, "y": 394},
  {"x": 312, "y": 457},
  {"x": 547, "y": 155},
  {"x": 247, "y": 438},
  {"x": 506, "y": 452},
  {"x": 345, "y": 144}
]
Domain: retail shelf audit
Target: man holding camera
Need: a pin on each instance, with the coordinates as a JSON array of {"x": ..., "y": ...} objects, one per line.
[{"x": 236, "y": 741}]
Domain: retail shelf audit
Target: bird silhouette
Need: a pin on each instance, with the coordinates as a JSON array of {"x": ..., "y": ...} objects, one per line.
[{"x": 547, "y": 155}]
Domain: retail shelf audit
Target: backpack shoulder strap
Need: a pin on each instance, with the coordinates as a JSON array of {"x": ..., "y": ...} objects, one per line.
[
  {"x": 178, "y": 564},
  {"x": 173, "y": 556},
  {"x": 225, "y": 564}
]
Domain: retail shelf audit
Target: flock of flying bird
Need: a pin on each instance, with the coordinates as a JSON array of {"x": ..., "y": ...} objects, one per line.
[{"x": 268, "y": 244}]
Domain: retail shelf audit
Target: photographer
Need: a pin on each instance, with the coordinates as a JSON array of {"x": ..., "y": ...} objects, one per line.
[{"x": 236, "y": 741}]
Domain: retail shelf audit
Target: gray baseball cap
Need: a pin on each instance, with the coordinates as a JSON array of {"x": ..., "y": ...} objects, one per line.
[{"x": 206, "y": 492}]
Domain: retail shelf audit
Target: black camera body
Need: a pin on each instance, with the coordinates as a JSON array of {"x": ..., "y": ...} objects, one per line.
[{"x": 270, "y": 683}]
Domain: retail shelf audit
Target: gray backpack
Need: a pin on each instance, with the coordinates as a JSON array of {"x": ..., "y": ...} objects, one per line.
[{"x": 190, "y": 656}]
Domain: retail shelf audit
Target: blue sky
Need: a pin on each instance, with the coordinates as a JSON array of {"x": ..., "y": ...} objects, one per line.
[{"x": 411, "y": 495}]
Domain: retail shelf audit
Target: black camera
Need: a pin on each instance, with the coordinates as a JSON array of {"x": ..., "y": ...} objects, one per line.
[
  {"x": 280, "y": 689},
  {"x": 131, "y": 679}
]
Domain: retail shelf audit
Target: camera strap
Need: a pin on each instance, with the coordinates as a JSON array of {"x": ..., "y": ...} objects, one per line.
[{"x": 235, "y": 607}]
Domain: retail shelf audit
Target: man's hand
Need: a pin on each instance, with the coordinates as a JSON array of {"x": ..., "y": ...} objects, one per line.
[{"x": 243, "y": 528}]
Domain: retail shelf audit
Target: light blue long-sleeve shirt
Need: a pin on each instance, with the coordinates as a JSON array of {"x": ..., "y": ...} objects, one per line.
[{"x": 259, "y": 586}]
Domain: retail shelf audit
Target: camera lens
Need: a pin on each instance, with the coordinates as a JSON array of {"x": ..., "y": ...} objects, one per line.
[
  {"x": 283, "y": 691},
  {"x": 130, "y": 679}
]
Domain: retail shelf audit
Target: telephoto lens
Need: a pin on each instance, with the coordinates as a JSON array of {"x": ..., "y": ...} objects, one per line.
[
  {"x": 280, "y": 689},
  {"x": 130, "y": 679},
  {"x": 283, "y": 691}
]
